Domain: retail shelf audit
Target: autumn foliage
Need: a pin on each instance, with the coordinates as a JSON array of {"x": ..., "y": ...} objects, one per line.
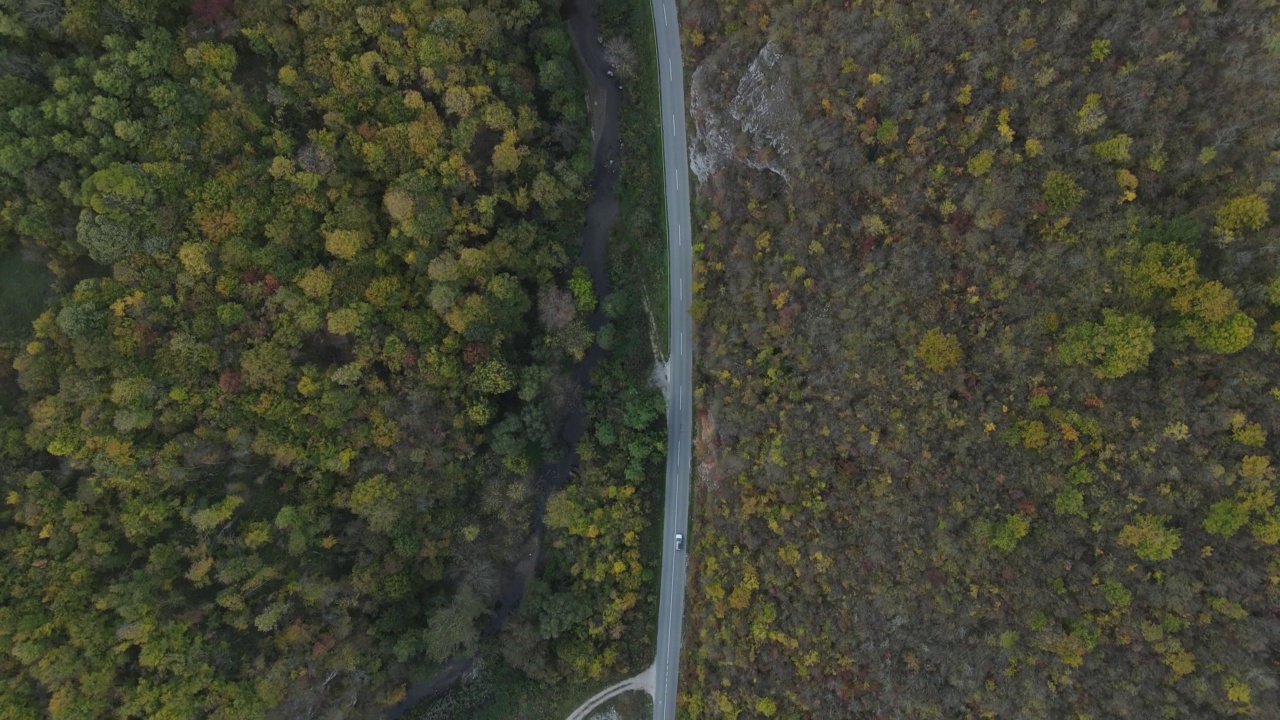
[{"x": 1015, "y": 457}]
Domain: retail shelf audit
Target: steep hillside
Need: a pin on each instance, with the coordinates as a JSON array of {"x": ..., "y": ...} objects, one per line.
[{"x": 987, "y": 298}]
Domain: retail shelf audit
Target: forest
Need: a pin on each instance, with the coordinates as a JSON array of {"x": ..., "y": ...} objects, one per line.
[
  {"x": 988, "y": 305},
  {"x": 292, "y": 305}
]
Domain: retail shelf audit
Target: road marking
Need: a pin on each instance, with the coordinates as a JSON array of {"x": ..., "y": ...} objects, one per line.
[
  {"x": 664, "y": 16},
  {"x": 667, "y": 670}
]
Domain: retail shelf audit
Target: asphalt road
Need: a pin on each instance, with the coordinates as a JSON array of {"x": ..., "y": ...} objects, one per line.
[{"x": 675, "y": 170}]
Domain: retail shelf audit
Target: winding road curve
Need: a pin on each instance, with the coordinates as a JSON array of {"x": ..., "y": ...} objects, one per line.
[{"x": 675, "y": 171}]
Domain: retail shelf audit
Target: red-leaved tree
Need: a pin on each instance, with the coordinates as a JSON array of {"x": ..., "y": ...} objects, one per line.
[{"x": 211, "y": 12}]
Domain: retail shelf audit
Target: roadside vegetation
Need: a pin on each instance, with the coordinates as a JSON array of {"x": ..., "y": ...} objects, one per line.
[
  {"x": 497, "y": 691},
  {"x": 988, "y": 314},
  {"x": 589, "y": 618},
  {"x": 503, "y": 695},
  {"x": 633, "y": 705},
  {"x": 638, "y": 246}
]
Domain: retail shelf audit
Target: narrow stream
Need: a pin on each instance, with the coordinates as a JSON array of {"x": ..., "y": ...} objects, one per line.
[{"x": 604, "y": 98}]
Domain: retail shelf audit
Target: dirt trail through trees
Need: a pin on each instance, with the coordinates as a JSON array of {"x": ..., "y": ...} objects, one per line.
[{"x": 605, "y": 97}]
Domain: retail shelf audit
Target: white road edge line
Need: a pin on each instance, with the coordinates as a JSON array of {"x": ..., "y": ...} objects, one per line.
[{"x": 666, "y": 671}]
